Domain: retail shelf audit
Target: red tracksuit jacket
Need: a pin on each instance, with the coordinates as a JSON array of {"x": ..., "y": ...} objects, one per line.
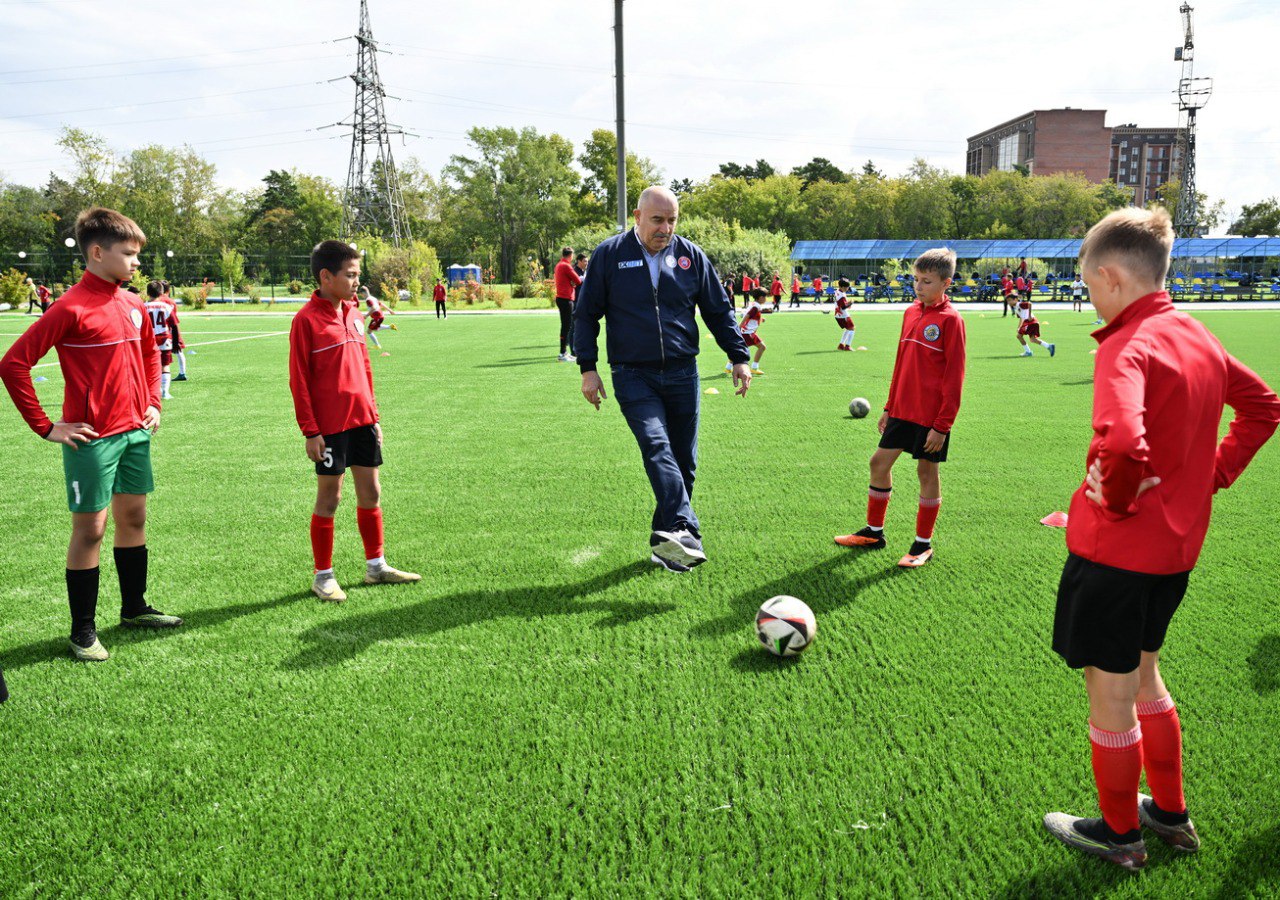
[
  {"x": 107, "y": 353},
  {"x": 329, "y": 371},
  {"x": 928, "y": 375},
  {"x": 1160, "y": 382},
  {"x": 567, "y": 280}
]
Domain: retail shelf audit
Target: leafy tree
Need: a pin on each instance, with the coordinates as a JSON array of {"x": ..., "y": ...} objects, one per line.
[
  {"x": 599, "y": 158},
  {"x": 1208, "y": 215},
  {"x": 761, "y": 169},
  {"x": 681, "y": 186},
  {"x": 514, "y": 192},
  {"x": 819, "y": 169},
  {"x": 869, "y": 168},
  {"x": 281, "y": 192},
  {"x": 1258, "y": 218}
]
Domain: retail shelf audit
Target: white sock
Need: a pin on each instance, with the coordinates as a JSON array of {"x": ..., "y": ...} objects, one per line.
[
  {"x": 165, "y": 379},
  {"x": 373, "y": 337},
  {"x": 755, "y": 365},
  {"x": 876, "y": 527},
  {"x": 376, "y": 563},
  {"x": 924, "y": 540},
  {"x": 182, "y": 363},
  {"x": 324, "y": 572}
]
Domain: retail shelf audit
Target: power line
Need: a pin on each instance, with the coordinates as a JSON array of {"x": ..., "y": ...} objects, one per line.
[{"x": 132, "y": 62}]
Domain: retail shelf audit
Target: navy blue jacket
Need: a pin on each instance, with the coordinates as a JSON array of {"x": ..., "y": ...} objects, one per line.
[{"x": 647, "y": 327}]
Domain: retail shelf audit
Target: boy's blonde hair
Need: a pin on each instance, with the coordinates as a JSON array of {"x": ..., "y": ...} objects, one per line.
[
  {"x": 1141, "y": 239},
  {"x": 940, "y": 261},
  {"x": 106, "y": 228}
]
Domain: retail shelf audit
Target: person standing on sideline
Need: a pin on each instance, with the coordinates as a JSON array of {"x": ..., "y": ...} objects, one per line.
[
  {"x": 775, "y": 289},
  {"x": 331, "y": 380},
  {"x": 110, "y": 409},
  {"x": 438, "y": 295},
  {"x": 567, "y": 281},
  {"x": 647, "y": 283},
  {"x": 795, "y": 292}
]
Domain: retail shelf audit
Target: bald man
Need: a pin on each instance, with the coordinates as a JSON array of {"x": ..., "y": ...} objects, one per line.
[{"x": 646, "y": 283}]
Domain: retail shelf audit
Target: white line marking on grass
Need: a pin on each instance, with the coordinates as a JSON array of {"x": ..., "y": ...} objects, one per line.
[
  {"x": 863, "y": 826},
  {"x": 260, "y": 334},
  {"x": 584, "y": 556}
]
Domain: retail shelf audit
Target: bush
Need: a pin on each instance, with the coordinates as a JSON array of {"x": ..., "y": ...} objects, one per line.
[
  {"x": 295, "y": 287},
  {"x": 195, "y": 297},
  {"x": 253, "y": 292},
  {"x": 13, "y": 288}
]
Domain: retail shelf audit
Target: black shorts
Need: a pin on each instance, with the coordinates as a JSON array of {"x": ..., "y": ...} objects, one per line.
[
  {"x": 353, "y": 447},
  {"x": 900, "y": 434},
  {"x": 1107, "y": 617}
]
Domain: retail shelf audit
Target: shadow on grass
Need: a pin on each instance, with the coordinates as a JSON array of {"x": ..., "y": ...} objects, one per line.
[
  {"x": 1264, "y": 664},
  {"x": 338, "y": 641},
  {"x": 1255, "y": 867},
  {"x": 116, "y": 636},
  {"x": 821, "y": 580},
  {"x": 1077, "y": 876},
  {"x": 1077, "y": 383},
  {"x": 511, "y": 363}
]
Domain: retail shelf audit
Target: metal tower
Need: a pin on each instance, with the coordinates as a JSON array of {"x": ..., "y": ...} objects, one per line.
[
  {"x": 372, "y": 200},
  {"x": 1193, "y": 93}
]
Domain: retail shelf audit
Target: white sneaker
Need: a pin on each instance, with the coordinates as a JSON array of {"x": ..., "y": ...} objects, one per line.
[
  {"x": 679, "y": 547},
  {"x": 326, "y": 587},
  {"x": 569, "y": 357}
]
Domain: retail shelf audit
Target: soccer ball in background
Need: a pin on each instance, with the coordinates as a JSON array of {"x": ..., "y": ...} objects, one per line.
[
  {"x": 859, "y": 407},
  {"x": 786, "y": 626}
]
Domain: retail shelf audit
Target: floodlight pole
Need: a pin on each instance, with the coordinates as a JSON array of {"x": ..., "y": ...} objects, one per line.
[{"x": 621, "y": 128}]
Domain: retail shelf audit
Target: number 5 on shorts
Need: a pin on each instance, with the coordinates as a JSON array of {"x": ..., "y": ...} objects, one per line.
[{"x": 328, "y": 458}]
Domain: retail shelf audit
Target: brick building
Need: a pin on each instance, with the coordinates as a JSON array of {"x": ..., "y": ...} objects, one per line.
[
  {"x": 1053, "y": 141},
  {"x": 1143, "y": 159}
]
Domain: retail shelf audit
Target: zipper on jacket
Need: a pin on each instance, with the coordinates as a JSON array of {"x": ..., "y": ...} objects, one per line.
[{"x": 657, "y": 311}]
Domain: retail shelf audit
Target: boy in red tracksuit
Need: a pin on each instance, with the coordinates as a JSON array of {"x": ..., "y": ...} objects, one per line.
[
  {"x": 924, "y": 399},
  {"x": 1137, "y": 523},
  {"x": 775, "y": 289},
  {"x": 111, "y": 405},
  {"x": 795, "y": 291},
  {"x": 332, "y": 384},
  {"x": 438, "y": 295}
]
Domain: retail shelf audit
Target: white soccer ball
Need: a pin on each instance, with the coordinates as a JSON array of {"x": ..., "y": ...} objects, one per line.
[
  {"x": 785, "y": 626},
  {"x": 859, "y": 407}
]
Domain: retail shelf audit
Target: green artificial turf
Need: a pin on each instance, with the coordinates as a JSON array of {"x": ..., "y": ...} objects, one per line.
[{"x": 548, "y": 714}]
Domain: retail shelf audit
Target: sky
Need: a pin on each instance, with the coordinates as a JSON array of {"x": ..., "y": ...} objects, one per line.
[{"x": 251, "y": 84}]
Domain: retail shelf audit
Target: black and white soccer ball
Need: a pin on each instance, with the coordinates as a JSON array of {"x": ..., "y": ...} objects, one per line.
[
  {"x": 859, "y": 407},
  {"x": 786, "y": 626}
]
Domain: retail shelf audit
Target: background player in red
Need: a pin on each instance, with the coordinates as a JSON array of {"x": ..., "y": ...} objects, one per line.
[
  {"x": 175, "y": 331},
  {"x": 567, "y": 281},
  {"x": 1029, "y": 327},
  {"x": 795, "y": 291},
  {"x": 1137, "y": 523},
  {"x": 111, "y": 405},
  {"x": 775, "y": 288},
  {"x": 924, "y": 399},
  {"x": 816, "y": 284},
  {"x": 1006, "y": 289},
  {"x": 332, "y": 385},
  {"x": 438, "y": 295},
  {"x": 375, "y": 315},
  {"x": 160, "y": 315},
  {"x": 844, "y": 317},
  {"x": 749, "y": 326}
]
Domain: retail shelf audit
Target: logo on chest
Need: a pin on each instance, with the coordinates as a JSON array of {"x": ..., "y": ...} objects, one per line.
[
  {"x": 358, "y": 323},
  {"x": 931, "y": 333},
  {"x": 135, "y": 316}
]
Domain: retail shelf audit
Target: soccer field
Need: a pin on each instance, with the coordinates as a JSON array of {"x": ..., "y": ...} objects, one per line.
[{"x": 547, "y": 713}]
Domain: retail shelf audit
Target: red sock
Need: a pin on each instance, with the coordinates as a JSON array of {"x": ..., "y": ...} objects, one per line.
[
  {"x": 877, "y": 504},
  {"x": 1162, "y": 753},
  {"x": 927, "y": 517},
  {"x": 370, "y": 522},
  {"x": 1117, "y": 766},
  {"x": 322, "y": 542}
]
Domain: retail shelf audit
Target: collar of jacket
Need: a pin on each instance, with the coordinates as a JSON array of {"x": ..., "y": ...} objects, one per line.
[{"x": 1142, "y": 308}]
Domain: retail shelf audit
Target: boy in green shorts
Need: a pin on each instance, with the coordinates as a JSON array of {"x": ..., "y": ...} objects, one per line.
[{"x": 111, "y": 406}]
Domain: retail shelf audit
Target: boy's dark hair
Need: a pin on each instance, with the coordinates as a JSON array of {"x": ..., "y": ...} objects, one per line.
[
  {"x": 155, "y": 289},
  {"x": 580, "y": 257},
  {"x": 1141, "y": 238},
  {"x": 758, "y": 293},
  {"x": 566, "y": 252},
  {"x": 844, "y": 283},
  {"x": 167, "y": 286},
  {"x": 940, "y": 261},
  {"x": 331, "y": 255},
  {"x": 106, "y": 228}
]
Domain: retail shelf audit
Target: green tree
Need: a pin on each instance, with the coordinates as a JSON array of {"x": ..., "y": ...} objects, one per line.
[
  {"x": 1208, "y": 215},
  {"x": 1258, "y": 218},
  {"x": 514, "y": 192},
  {"x": 761, "y": 169},
  {"x": 599, "y": 158},
  {"x": 819, "y": 169}
]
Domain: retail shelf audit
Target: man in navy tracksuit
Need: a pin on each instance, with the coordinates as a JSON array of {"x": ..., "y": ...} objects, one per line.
[{"x": 646, "y": 284}]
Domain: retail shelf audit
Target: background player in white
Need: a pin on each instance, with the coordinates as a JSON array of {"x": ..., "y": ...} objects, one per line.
[
  {"x": 376, "y": 311},
  {"x": 843, "y": 319},
  {"x": 161, "y": 316},
  {"x": 1028, "y": 327}
]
